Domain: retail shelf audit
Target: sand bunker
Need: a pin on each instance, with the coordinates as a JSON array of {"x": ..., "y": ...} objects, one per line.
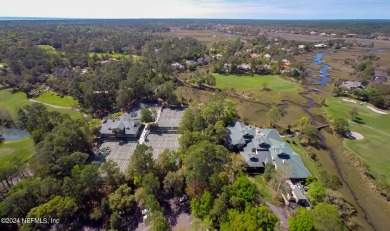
[
  {"x": 376, "y": 110},
  {"x": 350, "y": 100},
  {"x": 357, "y": 135}
]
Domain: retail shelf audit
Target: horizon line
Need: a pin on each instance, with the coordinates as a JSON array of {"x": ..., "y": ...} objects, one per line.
[{"x": 253, "y": 19}]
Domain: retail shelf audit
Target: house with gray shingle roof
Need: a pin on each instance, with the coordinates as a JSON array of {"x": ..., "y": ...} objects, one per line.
[
  {"x": 352, "y": 85},
  {"x": 380, "y": 76},
  {"x": 123, "y": 127},
  {"x": 260, "y": 147}
]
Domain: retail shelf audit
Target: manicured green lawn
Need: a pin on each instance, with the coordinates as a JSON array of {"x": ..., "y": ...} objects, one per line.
[
  {"x": 116, "y": 114},
  {"x": 48, "y": 49},
  {"x": 14, "y": 101},
  {"x": 337, "y": 108},
  {"x": 255, "y": 83},
  {"x": 53, "y": 98},
  {"x": 265, "y": 191},
  {"x": 374, "y": 149},
  {"x": 22, "y": 149},
  {"x": 116, "y": 55}
]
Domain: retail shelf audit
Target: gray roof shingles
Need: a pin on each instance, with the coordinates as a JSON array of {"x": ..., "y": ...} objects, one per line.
[
  {"x": 126, "y": 123},
  {"x": 267, "y": 147}
]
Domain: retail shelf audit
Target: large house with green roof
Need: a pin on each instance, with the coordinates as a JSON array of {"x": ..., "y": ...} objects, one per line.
[{"x": 260, "y": 147}]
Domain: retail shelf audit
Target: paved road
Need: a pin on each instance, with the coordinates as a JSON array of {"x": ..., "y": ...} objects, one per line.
[{"x": 281, "y": 213}]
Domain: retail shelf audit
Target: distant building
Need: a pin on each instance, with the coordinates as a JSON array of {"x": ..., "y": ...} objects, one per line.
[
  {"x": 297, "y": 194},
  {"x": 207, "y": 58},
  {"x": 63, "y": 71},
  {"x": 285, "y": 63},
  {"x": 190, "y": 62},
  {"x": 301, "y": 47},
  {"x": 226, "y": 67},
  {"x": 260, "y": 147},
  {"x": 350, "y": 35},
  {"x": 352, "y": 85},
  {"x": 178, "y": 66},
  {"x": 267, "y": 56},
  {"x": 320, "y": 45},
  {"x": 123, "y": 127},
  {"x": 201, "y": 61},
  {"x": 380, "y": 76},
  {"x": 244, "y": 67},
  {"x": 313, "y": 33}
]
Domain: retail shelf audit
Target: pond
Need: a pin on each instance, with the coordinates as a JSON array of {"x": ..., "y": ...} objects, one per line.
[{"x": 13, "y": 134}]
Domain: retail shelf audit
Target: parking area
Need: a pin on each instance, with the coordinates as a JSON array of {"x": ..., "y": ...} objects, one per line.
[
  {"x": 178, "y": 215},
  {"x": 170, "y": 117},
  {"x": 161, "y": 141},
  {"x": 120, "y": 153}
]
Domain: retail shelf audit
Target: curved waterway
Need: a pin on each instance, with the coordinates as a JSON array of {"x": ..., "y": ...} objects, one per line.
[
  {"x": 323, "y": 70},
  {"x": 310, "y": 104},
  {"x": 380, "y": 50}
]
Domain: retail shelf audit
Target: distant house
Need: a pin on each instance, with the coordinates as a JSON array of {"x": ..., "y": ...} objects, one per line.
[
  {"x": 320, "y": 45},
  {"x": 313, "y": 33},
  {"x": 380, "y": 76},
  {"x": 253, "y": 56},
  {"x": 178, "y": 66},
  {"x": 201, "y": 61},
  {"x": 244, "y": 67},
  {"x": 207, "y": 58},
  {"x": 350, "y": 35},
  {"x": 322, "y": 34},
  {"x": 352, "y": 85},
  {"x": 123, "y": 127},
  {"x": 301, "y": 47},
  {"x": 226, "y": 67},
  {"x": 260, "y": 147},
  {"x": 285, "y": 63},
  {"x": 190, "y": 62},
  {"x": 63, "y": 71}
]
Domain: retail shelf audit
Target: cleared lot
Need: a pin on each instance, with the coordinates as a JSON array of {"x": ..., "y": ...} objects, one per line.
[
  {"x": 161, "y": 141},
  {"x": 120, "y": 153}
]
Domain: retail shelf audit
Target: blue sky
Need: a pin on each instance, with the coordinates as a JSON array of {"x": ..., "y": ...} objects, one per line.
[{"x": 235, "y": 9}]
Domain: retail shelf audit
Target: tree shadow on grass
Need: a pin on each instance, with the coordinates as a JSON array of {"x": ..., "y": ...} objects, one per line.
[{"x": 358, "y": 120}]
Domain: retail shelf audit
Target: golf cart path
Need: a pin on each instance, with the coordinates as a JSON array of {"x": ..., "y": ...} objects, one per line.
[{"x": 50, "y": 105}]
